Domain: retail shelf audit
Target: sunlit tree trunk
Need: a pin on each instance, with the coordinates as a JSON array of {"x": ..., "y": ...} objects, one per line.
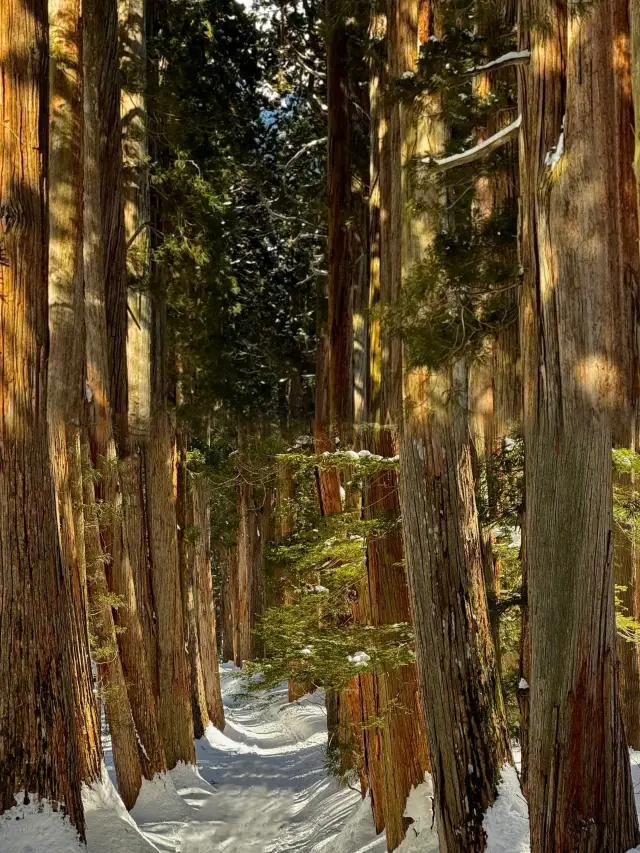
[
  {"x": 106, "y": 367},
  {"x": 579, "y": 782},
  {"x": 65, "y": 381},
  {"x": 457, "y": 669},
  {"x": 38, "y": 659},
  {"x": 135, "y": 188},
  {"x": 396, "y": 755}
]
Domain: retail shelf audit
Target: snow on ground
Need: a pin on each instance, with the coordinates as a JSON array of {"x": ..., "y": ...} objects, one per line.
[{"x": 260, "y": 787}]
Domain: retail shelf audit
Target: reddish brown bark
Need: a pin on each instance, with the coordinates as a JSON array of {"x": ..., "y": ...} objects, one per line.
[
  {"x": 38, "y": 750},
  {"x": 457, "y": 671},
  {"x": 340, "y": 239}
]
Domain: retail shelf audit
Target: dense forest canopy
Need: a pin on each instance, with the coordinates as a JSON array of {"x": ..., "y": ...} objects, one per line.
[{"x": 319, "y": 367}]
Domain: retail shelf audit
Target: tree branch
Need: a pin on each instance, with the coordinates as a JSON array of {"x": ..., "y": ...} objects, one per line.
[
  {"x": 507, "y": 60},
  {"x": 482, "y": 149}
]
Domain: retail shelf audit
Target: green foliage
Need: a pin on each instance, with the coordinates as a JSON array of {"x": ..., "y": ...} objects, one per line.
[
  {"x": 500, "y": 485},
  {"x": 627, "y": 625},
  {"x": 235, "y": 265},
  {"x": 315, "y": 574},
  {"x": 460, "y": 294},
  {"x": 464, "y": 289}
]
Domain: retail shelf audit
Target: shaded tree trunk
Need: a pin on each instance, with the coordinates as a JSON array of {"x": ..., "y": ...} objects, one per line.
[
  {"x": 174, "y": 699},
  {"x": 250, "y": 573},
  {"x": 339, "y": 237},
  {"x": 112, "y": 685},
  {"x": 204, "y": 604},
  {"x": 579, "y": 782},
  {"x": 227, "y": 560},
  {"x": 186, "y": 548}
]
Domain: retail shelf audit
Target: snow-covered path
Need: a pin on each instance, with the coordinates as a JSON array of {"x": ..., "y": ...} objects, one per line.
[{"x": 261, "y": 787}]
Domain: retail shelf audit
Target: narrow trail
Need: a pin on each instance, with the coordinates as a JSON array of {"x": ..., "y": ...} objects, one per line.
[{"x": 260, "y": 787}]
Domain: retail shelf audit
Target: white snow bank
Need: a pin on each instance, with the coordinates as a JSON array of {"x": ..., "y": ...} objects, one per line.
[
  {"x": 110, "y": 827},
  {"x": 159, "y": 800},
  {"x": 36, "y": 827},
  {"x": 507, "y": 820}
]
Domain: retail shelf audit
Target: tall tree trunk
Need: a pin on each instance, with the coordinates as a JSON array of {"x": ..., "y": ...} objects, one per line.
[
  {"x": 204, "y": 604},
  {"x": 112, "y": 685},
  {"x": 580, "y": 792},
  {"x": 135, "y": 188},
  {"x": 340, "y": 237},
  {"x": 457, "y": 670},
  {"x": 112, "y": 215},
  {"x": 65, "y": 381},
  {"x": 250, "y": 589},
  {"x": 328, "y": 480},
  {"x": 174, "y": 700},
  {"x": 625, "y": 433},
  {"x": 100, "y": 227},
  {"x": 227, "y": 557},
  {"x": 396, "y": 752},
  {"x": 186, "y": 549},
  {"x": 38, "y": 746}
]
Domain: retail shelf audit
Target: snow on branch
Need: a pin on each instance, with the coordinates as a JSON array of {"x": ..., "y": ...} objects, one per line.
[
  {"x": 478, "y": 151},
  {"x": 507, "y": 60},
  {"x": 306, "y": 148}
]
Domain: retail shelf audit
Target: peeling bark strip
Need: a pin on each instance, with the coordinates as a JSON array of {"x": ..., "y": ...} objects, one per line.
[
  {"x": 579, "y": 782},
  {"x": 38, "y": 752}
]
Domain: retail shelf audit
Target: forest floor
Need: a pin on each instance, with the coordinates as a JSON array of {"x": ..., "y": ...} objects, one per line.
[{"x": 259, "y": 787}]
